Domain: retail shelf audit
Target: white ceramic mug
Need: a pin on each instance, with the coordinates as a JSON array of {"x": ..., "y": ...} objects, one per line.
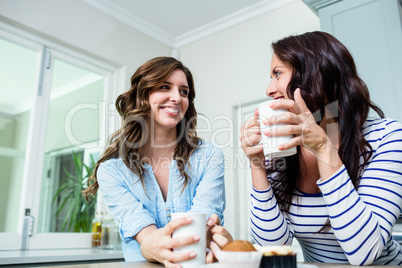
[
  {"x": 197, "y": 227},
  {"x": 270, "y": 144}
]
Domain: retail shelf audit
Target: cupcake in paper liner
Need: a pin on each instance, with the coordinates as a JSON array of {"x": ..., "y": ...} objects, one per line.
[
  {"x": 277, "y": 257},
  {"x": 239, "y": 253}
]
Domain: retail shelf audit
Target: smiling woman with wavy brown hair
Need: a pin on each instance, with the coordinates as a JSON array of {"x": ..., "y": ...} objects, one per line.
[
  {"x": 158, "y": 146},
  {"x": 134, "y": 107}
]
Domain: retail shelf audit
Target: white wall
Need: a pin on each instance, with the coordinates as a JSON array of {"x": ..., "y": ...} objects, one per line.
[{"x": 233, "y": 66}]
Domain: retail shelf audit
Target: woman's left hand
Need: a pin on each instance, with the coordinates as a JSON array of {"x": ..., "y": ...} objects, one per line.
[
  {"x": 299, "y": 122},
  {"x": 217, "y": 237}
]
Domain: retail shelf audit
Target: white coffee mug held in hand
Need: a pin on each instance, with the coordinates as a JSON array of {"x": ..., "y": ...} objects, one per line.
[
  {"x": 196, "y": 227},
  {"x": 270, "y": 144}
]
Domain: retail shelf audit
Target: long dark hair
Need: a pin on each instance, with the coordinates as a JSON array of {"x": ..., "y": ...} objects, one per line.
[
  {"x": 325, "y": 72},
  {"x": 134, "y": 108}
]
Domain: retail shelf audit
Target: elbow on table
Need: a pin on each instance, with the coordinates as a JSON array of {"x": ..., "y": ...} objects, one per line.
[
  {"x": 361, "y": 259},
  {"x": 358, "y": 262}
]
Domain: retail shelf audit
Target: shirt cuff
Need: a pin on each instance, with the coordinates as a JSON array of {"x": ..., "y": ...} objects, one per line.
[
  {"x": 128, "y": 228},
  {"x": 340, "y": 176},
  {"x": 262, "y": 194}
]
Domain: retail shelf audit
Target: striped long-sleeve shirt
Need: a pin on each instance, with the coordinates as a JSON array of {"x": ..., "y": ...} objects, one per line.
[{"x": 361, "y": 220}]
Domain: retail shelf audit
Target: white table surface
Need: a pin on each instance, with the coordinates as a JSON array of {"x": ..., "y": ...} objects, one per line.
[
  {"x": 214, "y": 265},
  {"x": 59, "y": 255}
]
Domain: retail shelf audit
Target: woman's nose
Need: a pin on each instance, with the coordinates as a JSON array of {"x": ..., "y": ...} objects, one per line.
[
  {"x": 271, "y": 90},
  {"x": 175, "y": 95}
]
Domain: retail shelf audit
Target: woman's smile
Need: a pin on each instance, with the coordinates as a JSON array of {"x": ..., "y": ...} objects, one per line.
[{"x": 171, "y": 110}]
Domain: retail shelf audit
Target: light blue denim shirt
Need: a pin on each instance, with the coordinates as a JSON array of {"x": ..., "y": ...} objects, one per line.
[{"x": 134, "y": 209}]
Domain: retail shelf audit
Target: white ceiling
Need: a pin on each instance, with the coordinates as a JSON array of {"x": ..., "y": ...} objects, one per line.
[{"x": 179, "y": 22}]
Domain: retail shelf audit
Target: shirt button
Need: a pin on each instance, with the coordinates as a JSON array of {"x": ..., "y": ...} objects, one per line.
[
  {"x": 167, "y": 209},
  {"x": 168, "y": 215}
]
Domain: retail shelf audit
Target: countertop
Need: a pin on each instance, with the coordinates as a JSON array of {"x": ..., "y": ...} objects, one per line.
[
  {"x": 59, "y": 256},
  {"x": 98, "y": 258},
  {"x": 217, "y": 265}
]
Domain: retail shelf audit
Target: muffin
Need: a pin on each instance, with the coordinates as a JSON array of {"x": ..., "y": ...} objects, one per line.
[
  {"x": 239, "y": 253},
  {"x": 277, "y": 257},
  {"x": 239, "y": 245}
]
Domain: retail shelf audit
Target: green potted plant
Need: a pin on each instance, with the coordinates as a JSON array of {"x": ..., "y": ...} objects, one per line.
[{"x": 78, "y": 213}]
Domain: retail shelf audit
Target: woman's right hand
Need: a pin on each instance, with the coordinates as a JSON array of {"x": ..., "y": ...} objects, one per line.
[
  {"x": 157, "y": 244},
  {"x": 250, "y": 137}
]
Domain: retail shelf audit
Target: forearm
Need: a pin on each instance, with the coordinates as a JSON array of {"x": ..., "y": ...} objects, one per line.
[
  {"x": 355, "y": 226},
  {"x": 259, "y": 176},
  {"x": 268, "y": 224},
  {"x": 144, "y": 245}
]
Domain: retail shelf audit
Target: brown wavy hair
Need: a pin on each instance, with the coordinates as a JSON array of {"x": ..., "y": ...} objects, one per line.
[
  {"x": 134, "y": 108},
  {"x": 325, "y": 72}
]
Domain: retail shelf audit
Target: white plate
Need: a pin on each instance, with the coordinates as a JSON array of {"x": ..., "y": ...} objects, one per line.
[{"x": 303, "y": 265}]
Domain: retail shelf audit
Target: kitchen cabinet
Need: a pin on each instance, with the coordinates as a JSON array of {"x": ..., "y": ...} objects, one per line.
[{"x": 372, "y": 31}]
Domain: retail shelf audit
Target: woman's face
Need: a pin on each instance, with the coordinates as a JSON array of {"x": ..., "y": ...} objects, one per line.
[
  {"x": 280, "y": 74},
  {"x": 169, "y": 102}
]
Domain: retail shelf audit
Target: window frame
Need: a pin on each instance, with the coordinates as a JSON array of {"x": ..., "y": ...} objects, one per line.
[{"x": 34, "y": 153}]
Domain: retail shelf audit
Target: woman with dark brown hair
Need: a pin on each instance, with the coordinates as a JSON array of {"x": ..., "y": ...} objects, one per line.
[
  {"x": 156, "y": 165},
  {"x": 341, "y": 194}
]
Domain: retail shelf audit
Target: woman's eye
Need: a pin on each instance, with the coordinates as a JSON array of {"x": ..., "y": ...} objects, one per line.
[
  {"x": 164, "y": 87},
  {"x": 184, "y": 92},
  {"x": 277, "y": 74}
]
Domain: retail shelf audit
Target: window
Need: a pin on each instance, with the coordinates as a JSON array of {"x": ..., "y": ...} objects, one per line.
[{"x": 52, "y": 108}]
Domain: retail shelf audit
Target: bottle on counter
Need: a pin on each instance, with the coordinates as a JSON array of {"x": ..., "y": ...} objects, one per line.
[
  {"x": 96, "y": 230},
  {"x": 105, "y": 232},
  {"x": 100, "y": 211},
  {"x": 110, "y": 238}
]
